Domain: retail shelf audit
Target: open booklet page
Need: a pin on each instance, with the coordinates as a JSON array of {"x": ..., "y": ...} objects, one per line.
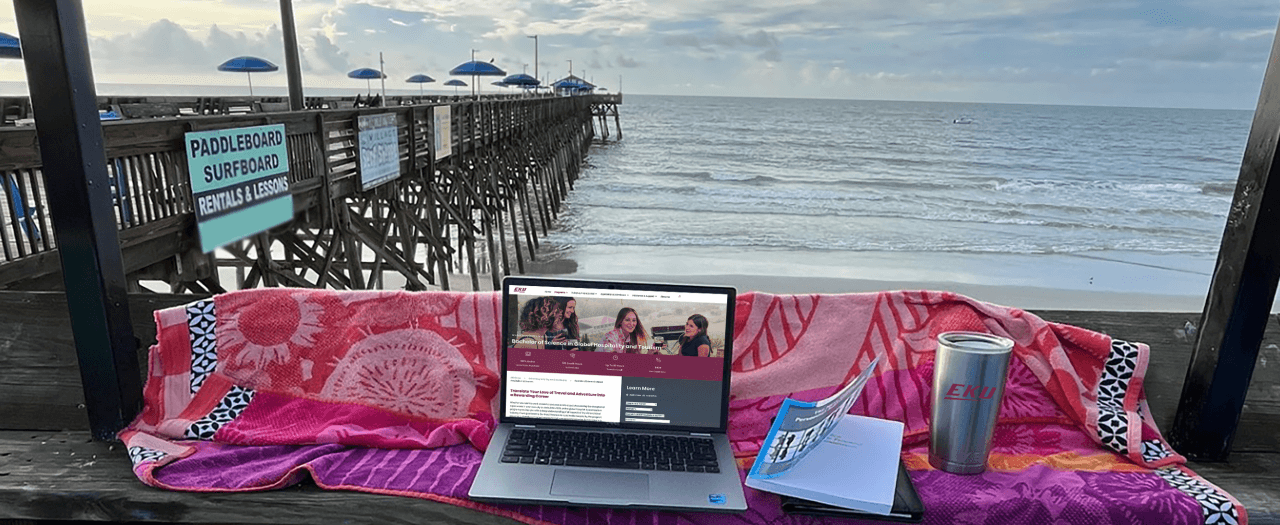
[{"x": 801, "y": 425}]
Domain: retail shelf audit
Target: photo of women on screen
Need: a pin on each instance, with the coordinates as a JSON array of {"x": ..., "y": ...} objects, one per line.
[
  {"x": 541, "y": 324},
  {"x": 695, "y": 342},
  {"x": 628, "y": 334},
  {"x": 616, "y": 324},
  {"x": 563, "y": 333}
]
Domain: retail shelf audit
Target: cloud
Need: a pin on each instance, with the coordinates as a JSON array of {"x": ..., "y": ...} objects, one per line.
[
  {"x": 1206, "y": 45},
  {"x": 329, "y": 55},
  {"x": 717, "y": 45},
  {"x": 168, "y": 47},
  {"x": 162, "y": 44},
  {"x": 1048, "y": 51}
]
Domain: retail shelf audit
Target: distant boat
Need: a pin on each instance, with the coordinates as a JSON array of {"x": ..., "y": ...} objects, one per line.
[{"x": 962, "y": 120}]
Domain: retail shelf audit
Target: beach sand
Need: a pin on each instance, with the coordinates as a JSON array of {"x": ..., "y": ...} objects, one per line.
[
  {"x": 1025, "y": 297},
  {"x": 1106, "y": 281},
  {"x": 1098, "y": 282}
]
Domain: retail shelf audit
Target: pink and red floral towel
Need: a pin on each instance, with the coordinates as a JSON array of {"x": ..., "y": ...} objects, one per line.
[{"x": 394, "y": 392}]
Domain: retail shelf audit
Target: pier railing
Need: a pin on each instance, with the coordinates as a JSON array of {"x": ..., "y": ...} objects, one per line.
[
  {"x": 17, "y": 110},
  {"x": 512, "y": 160}
]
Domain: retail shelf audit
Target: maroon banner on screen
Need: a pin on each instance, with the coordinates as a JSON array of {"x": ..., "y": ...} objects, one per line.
[{"x": 613, "y": 364}]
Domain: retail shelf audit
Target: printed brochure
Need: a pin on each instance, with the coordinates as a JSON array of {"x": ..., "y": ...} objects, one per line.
[{"x": 815, "y": 451}]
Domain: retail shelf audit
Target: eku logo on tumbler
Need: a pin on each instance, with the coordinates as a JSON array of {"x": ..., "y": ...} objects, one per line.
[{"x": 963, "y": 392}]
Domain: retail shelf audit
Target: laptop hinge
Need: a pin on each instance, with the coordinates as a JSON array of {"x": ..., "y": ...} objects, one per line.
[
  {"x": 699, "y": 434},
  {"x": 524, "y": 426}
]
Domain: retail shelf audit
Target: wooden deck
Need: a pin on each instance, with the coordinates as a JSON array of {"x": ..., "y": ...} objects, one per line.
[
  {"x": 65, "y": 476},
  {"x": 51, "y": 470}
]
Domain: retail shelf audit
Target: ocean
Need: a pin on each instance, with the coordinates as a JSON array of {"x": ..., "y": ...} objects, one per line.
[
  {"x": 917, "y": 194},
  {"x": 845, "y": 195}
]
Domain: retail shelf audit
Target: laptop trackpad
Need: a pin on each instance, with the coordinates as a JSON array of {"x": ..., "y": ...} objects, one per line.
[{"x": 600, "y": 484}]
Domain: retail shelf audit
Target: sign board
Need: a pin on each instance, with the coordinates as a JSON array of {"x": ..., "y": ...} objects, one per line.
[
  {"x": 379, "y": 149},
  {"x": 239, "y": 182},
  {"x": 443, "y": 126}
]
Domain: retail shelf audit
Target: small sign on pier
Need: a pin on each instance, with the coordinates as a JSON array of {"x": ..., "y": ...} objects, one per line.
[
  {"x": 239, "y": 182},
  {"x": 442, "y": 124},
  {"x": 379, "y": 149}
]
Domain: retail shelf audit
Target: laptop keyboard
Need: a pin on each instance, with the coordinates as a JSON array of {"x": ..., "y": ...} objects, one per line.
[{"x": 610, "y": 450}]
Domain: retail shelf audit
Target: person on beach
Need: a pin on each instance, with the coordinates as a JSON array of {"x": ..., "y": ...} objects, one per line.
[
  {"x": 539, "y": 319},
  {"x": 694, "y": 342},
  {"x": 627, "y": 336}
]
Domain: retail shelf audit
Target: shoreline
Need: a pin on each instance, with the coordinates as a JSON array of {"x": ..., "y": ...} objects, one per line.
[
  {"x": 1024, "y": 297},
  {"x": 1006, "y": 279},
  {"x": 1102, "y": 281}
]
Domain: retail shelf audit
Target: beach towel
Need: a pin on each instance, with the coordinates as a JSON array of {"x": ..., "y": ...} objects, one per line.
[{"x": 395, "y": 393}]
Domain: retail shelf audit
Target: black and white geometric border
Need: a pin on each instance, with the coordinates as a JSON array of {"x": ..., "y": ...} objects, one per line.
[
  {"x": 228, "y": 409},
  {"x": 1113, "y": 422},
  {"x": 139, "y": 454},
  {"x": 1217, "y": 508},
  {"x": 201, "y": 322},
  {"x": 1154, "y": 450}
]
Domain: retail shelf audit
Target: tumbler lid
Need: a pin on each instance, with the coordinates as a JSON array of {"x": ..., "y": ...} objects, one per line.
[{"x": 976, "y": 342}]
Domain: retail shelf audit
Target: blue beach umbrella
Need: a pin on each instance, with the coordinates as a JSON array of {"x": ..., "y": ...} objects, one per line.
[
  {"x": 9, "y": 46},
  {"x": 455, "y": 83},
  {"x": 476, "y": 68},
  {"x": 249, "y": 65},
  {"x": 367, "y": 73},
  {"x": 420, "y": 79},
  {"x": 522, "y": 80}
]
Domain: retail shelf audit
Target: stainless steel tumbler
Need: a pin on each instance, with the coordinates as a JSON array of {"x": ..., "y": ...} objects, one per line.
[{"x": 968, "y": 384}]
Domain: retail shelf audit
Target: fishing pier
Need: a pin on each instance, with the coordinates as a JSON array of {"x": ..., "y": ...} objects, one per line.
[{"x": 474, "y": 193}]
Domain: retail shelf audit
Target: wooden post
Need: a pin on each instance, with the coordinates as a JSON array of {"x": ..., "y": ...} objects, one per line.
[
  {"x": 60, "y": 78},
  {"x": 493, "y": 169},
  {"x": 526, "y": 214},
  {"x": 1240, "y": 296},
  {"x": 291, "y": 64}
]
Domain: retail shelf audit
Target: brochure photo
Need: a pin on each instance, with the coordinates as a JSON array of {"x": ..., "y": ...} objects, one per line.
[
  {"x": 815, "y": 451},
  {"x": 800, "y": 424}
]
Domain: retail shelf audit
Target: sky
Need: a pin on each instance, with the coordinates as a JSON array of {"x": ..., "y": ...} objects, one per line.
[{"x": 1185, "y": 53}]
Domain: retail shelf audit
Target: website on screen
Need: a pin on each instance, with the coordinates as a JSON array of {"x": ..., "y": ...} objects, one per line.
[{"x": 615, "y": 356}]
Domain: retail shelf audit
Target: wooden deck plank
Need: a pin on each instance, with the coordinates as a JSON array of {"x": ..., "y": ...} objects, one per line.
[
  {"x": 39, "y": 371},
  {"x": 66, "y": 476},
  {"x": 1170, "y": 354},
  {"x": 1253, "y": 478}
]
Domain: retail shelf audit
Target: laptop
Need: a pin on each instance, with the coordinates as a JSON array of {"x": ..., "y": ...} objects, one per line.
[{"x": 600, "y": 409}]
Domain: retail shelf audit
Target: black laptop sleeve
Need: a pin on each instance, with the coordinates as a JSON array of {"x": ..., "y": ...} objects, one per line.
[{"x": 907, "y": 507}]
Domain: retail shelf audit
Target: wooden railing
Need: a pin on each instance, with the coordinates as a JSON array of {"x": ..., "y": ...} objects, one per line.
[{"x": 507, "y": 153}]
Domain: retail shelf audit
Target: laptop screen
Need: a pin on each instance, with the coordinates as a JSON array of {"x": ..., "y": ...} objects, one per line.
[{"x": 617, "y": 354}]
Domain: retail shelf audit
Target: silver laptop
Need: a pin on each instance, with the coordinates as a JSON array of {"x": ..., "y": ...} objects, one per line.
[{"x": 614, "y": 394}]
